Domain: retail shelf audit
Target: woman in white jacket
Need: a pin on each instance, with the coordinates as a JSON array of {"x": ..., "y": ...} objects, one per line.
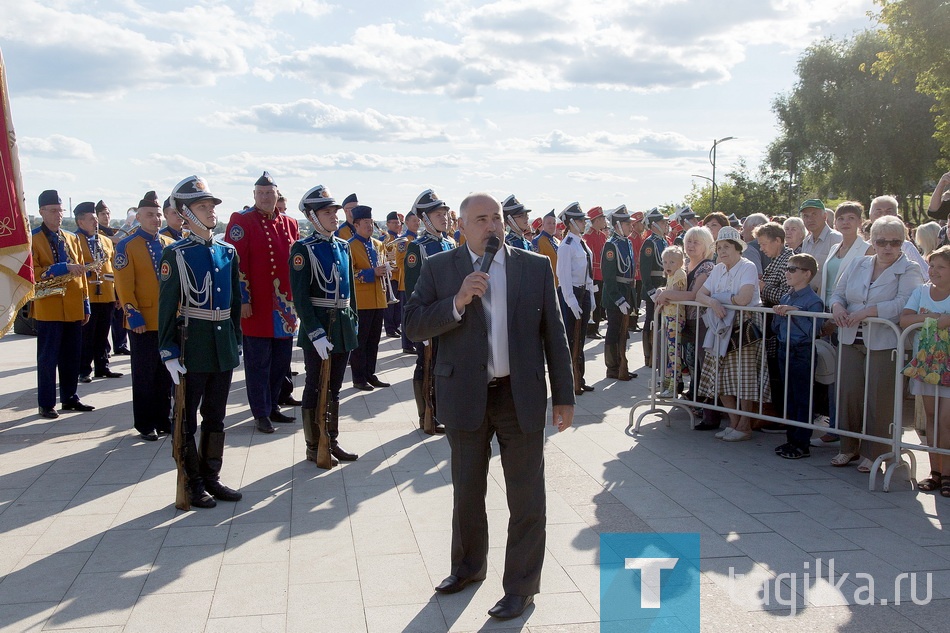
[{"x": 874, "y": 286}]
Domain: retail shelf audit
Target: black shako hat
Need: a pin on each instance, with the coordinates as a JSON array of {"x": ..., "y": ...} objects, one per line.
[
  {"x": 83, "y": 208},
  {"x": 50, "y": 196},
  {"x": 362, "y": 212},
  {"x": 265, "y": 180},
  {"x": 428, "y": 201},
  {"x": 101, "y": 206},
  {"x": 350, "y": 198},
  {"x": 150, "y": 199},
  {"x": 511, "y": 206},
  {"x": 392, "y": 215},
  {"x": 317, "y": 198}
]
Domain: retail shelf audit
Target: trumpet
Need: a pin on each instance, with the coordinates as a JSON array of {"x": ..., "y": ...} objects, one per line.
[{"x": 389, "y": 256}]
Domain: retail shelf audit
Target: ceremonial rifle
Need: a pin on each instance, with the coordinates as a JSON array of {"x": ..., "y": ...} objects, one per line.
[
  {"x": 624, "y": 372},
  {"x": 576, "y": 357},
  {"x": 428, "y": 418},
  {"x": 182, "y": 498},
  {"x": 324, "y": 459}
]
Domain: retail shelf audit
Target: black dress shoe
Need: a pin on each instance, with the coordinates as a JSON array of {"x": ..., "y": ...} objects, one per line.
[
  {"x": 161, "y": 434},
  {"x": 109, "y": 374},
  {"x": 280, "y": 418},
  {"x": 454, "y": 584},
  {"x": 511, "y": 606},
  {"x": 363, "y": 386},
  {"x": 289, "y": 401},
  {"x": 408, "y": 350},
  {"x": 341, "y": 454},
  {"x": 202, "y": 499},
  {"x": 48, "y": 413},
  {"x": 376, "y": 382},
  {"x": 151, "y": 436},
  {"x": 122, "y": 351},
  {"x": 85, "y": 378},
  {"x": 263, "y": 425},
  {"x": 587, "y": 388},
  {"x": 76, "y": 405},
  {"x": 221, "y": 492}
]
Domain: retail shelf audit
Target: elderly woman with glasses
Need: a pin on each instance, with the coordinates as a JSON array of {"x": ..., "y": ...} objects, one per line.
[{"x": 873, "y": 286}]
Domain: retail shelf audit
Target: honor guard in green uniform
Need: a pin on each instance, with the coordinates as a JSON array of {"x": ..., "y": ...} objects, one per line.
[
  {"x": 619, "y": 268},
  {"x": 434, "y": 216},
  {"x": 321, "y": 277},
  {"x": 651, "y": 272},
  {"x": 687, "y": 220},
  {"x": 516, "y": 221},
  {"x": 199, "y": 326}
]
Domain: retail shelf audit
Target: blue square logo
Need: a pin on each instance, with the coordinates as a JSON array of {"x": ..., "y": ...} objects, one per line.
[{"x": 649, "y": 582}]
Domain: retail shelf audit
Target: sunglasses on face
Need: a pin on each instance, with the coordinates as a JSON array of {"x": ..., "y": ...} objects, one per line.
[
  {"x": 793, "y": 269},
  {"x": 891, "y": 243}
]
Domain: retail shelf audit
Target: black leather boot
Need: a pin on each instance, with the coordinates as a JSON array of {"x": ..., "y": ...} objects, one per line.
[
  {"x": 212, "y": 458},
  {"x": 333, "y": 430},
  {"x": 197, "y": 495}
]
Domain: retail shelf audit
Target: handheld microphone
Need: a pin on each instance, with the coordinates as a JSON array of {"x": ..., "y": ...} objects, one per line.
[{"x": 490, "y": 249}]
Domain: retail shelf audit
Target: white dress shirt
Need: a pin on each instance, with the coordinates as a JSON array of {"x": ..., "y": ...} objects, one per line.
[{"x": 498, "y": 300}]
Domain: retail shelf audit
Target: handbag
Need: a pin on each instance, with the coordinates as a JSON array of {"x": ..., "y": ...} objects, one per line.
[{"x": 751, "y": 332}]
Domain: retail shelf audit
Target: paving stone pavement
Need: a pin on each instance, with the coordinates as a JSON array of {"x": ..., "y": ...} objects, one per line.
[{"x": 90, "y": 539}]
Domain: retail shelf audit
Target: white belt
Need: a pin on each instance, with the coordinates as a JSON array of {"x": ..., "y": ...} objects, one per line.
[
  {"x": 206, "y": 315},
  {"x": 329, "y": 303}
]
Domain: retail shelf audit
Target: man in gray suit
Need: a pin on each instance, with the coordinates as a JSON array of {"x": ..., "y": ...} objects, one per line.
[{"x": 496, "y": 331}]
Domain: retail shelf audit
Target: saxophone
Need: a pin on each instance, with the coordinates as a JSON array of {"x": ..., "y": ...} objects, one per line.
[{"x": 56, "y": 286}]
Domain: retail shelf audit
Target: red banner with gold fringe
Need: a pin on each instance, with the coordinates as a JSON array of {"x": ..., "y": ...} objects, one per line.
[{"x": 16, "y": 262}]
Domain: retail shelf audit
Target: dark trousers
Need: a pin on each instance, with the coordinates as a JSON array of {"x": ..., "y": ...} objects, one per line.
[
  {"x": 637, "y": 295},
  {"x": 363, "y": 358},
  {"x": 392, "y": 315},
  {"x": 120, "y": 335},
  {"x": 209, "y": 392},
  {"x": 797, "y": 396},
  {"x": 313, "y": 365},
  {"x": 266, "y": 363},
  {"x": 95, "y": 339},
  {"x": 614, "y": 340},
  {"x": 583, "y": 299},
  {"x": 58, "y": 346},
  {"x": 151, "y": 385},
  {"x": 597, "y": 313},
  {"x": 406, "y": 343},
  {"x": 522, "y": 458}
]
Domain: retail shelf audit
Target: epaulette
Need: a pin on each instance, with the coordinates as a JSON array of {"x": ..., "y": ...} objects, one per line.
[{"x": 569, "y": 239}]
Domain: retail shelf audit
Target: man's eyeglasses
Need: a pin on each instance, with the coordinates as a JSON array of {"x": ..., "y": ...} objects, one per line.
[{"x": 891, "y": 243}]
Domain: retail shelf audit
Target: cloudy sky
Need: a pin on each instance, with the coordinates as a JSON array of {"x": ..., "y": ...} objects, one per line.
[{"x": 600, "y": 101}]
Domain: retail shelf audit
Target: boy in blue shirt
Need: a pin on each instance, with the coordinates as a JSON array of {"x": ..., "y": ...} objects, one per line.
[{"x": 796, "y": 336}]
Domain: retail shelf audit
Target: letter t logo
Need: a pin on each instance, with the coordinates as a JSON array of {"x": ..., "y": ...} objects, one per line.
[{"x": 650, "y": 569}]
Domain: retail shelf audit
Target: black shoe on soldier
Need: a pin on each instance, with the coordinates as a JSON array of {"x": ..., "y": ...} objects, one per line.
[{"x": 221, "y": 492}]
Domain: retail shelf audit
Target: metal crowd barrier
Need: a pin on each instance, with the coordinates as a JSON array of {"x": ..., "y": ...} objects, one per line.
[
  {"x": 900, "y": 447},
  {"x": 743, "y": 313}
]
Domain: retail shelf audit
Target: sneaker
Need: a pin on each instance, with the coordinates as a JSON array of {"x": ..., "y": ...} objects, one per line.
[
  {"x": 736, "y": 436},
  {"x": 666, "y": 393},
  {"x": 721, "y": 434}
]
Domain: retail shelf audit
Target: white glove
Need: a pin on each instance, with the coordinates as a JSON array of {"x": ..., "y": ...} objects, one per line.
[
  {"x": 176, "y": 369},
  {"x": 625, "y": 308},
  {"x": 323, "y": 347},
  {"x": 575, "y": 310}
]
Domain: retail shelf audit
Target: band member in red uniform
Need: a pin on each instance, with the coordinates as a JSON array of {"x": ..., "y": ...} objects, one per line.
[
  {"x": 263, "y": 239},
  {"x": 595, "y": 237}
]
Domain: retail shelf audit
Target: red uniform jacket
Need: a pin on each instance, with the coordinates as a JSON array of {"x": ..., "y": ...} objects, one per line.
[
  {"x": 595, "y": 241},
  {"x": 263, "y": 246}
]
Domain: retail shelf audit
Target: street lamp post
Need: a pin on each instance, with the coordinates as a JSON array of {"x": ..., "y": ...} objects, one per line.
[{"x": 712, "y": 160}]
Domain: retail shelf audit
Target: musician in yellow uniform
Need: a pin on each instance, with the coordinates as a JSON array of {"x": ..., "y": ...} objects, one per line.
[
  {"x": 392, "y": 316},
  {"x": 97, "y": 253},
  {"x": 61, "y": 313},
  {"x": 369, "y": 273},
  {"x": 137, "y": 261},
  {"x": 546, "y": 243}
]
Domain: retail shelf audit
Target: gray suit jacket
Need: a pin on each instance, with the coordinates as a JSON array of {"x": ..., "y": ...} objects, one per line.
[{"x": 535, "y": 335}]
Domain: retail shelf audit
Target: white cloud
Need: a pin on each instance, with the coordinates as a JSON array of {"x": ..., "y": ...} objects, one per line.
[
  {"x": 267, "y": 9},
  {"x": 45, "y": 175},
  {"x": 591, "y": 176},
  {"x": 314, "y": 116},
  {"x": 558, "y": 44},
  {"x": 111, "y": 52},
  {"x": 567, "y": 110},
  {"x": 56, "y": 146},
  {"x": 659, "y": 144}
]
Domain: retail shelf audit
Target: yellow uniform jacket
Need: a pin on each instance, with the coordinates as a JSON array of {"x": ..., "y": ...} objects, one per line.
[
  {"x": 74, "y": 304},
  {"x": 366, "y": 255},
  {"x": 137, "y": 260}
]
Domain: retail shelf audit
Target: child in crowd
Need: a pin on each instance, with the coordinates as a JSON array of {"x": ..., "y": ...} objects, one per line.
[
  {"x": 796, "y": 336},
  {"x": 673, "y": 320}
]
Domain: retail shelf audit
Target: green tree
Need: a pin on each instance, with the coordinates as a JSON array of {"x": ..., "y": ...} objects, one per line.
[
  {"x": 743, "y": 193},
  {"x": 848, "y": 132},
  {"x": 918, "y": 35}
]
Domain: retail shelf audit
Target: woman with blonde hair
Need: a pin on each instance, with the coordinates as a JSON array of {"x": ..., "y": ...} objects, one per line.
[{"x": 926, "y": 238}]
